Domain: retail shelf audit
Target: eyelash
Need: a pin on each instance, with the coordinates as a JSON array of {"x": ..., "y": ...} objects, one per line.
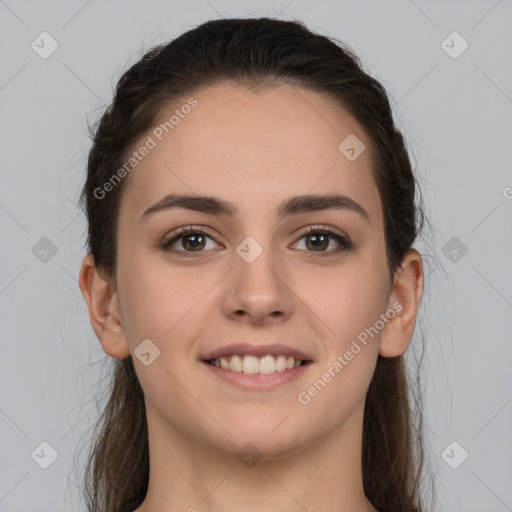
[{"x": 344, "y": 242}]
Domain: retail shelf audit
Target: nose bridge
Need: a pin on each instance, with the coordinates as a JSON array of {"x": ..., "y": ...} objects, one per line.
[
  {"x": 258, "y": 284},
  {"x": 257, "y": 261}
]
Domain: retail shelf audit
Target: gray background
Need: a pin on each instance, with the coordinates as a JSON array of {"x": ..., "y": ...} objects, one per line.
[{"x": 456, "y": 114}]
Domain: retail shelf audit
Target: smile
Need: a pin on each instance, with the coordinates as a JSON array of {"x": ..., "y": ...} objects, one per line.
[
  {"x": 249, "y": 364},
  {"x": 257, "y": 373}
]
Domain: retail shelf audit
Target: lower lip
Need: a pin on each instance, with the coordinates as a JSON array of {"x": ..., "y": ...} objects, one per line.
[{"x": 258, "y": 381}]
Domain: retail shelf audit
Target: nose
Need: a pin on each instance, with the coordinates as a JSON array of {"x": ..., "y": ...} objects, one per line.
[{"x": 258, "y": 291}]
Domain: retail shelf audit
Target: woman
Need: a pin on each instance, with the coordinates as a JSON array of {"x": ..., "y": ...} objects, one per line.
[{"x": 251, "y": 210}]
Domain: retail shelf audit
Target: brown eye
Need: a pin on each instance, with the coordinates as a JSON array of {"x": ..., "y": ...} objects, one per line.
[
  {"x": 191, "y": 240},
  {"x": 318, "y": 241}
]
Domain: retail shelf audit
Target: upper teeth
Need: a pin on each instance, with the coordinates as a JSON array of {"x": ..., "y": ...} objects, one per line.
[{"x": 252, "y": 364}]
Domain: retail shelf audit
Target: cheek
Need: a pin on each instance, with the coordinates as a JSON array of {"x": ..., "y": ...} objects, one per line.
[
  {"x": 349, "y": 305},
  {"x": 346, "y": 302},
  {"x": 164, "y": 305}
]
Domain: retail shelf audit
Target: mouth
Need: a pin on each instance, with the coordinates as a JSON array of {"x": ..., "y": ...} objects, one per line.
[{"x": 257, "y": 372}]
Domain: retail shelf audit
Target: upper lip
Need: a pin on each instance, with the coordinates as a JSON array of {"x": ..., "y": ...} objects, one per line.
[{"x": 256, "y": 350}]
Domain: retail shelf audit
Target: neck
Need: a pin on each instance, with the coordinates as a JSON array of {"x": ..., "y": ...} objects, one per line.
[{"x": 186, "y": 475}]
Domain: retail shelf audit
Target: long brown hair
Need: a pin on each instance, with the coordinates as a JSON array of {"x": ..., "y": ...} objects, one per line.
[{"x": 256, "y": 52}]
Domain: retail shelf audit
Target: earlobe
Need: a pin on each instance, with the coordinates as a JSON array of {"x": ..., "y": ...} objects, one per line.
[
  {"x": 404, "y": 300},
  {"x": 102, "y": 302}
]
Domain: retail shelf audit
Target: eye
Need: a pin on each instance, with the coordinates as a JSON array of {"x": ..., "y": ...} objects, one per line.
[
  {"x": 192, "y": 240},
  {"x": 318, "y": 239}
]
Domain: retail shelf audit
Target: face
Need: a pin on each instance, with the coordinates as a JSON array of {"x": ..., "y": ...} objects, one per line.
[{"x": 311, "y": 278}]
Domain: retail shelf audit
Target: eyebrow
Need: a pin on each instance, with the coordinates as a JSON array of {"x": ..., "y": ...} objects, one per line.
[{"x": 291, "y": 206}]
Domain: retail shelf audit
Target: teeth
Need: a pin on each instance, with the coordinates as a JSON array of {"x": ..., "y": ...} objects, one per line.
[
  {"x": 252, "y": 364},
  {"x": 236, "y": 364},
  {"x": 267, "y": 365}
]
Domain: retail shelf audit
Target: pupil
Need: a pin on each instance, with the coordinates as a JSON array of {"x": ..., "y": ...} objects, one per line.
[
  {"x": 318, "y": 242},
  {"x": 195, "y": 243}
]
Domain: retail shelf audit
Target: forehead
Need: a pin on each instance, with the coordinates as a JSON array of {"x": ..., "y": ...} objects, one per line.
[{"x": 252, "y": 148}]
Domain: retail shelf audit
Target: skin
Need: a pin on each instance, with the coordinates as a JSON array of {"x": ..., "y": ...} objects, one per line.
[{"x": 255, "y": 150}]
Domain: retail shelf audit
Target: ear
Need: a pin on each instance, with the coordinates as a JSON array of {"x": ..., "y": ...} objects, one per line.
[
  {"x": 405, "y": 296},
  {"x": 102, "y": 302}
]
